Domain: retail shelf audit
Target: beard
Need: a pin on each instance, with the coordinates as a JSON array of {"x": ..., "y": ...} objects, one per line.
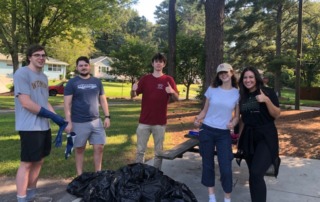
[{"x": 84, "y": 74}]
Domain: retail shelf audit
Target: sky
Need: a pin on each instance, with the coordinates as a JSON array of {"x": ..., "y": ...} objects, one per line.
[{"x": 146, "y": 8}]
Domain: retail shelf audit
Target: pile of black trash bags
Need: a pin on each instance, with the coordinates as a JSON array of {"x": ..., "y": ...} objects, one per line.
[{"x": 133, "y": 183}]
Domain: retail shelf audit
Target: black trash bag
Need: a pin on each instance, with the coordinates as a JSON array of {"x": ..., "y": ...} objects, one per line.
[
  {"x": 151, "y": 190},
  {"x": 99, "y": 188},
  {"x": 79, "y": 184},
  {"x": 130, "y": 180},
  {"x": 133, "y": 183},
  {"x": 176, "y": 191}
]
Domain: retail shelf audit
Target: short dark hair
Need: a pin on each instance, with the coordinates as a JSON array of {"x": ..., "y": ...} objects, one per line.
[
  {"x": 32, "y": 49},
  {"x": 82, "y": 58},
  {"x": 159, "y": 57}
]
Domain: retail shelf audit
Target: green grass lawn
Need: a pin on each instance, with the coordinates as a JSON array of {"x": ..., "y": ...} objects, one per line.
[
  {"x": 121, "y": 143},
  {"x": 119, "y": 150},
  {"x": 288, "y": 98},
  {"x": 121, "y": 137}
]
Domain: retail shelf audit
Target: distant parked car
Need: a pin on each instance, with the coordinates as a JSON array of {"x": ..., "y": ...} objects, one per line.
[{"x": 57, "y": 89}]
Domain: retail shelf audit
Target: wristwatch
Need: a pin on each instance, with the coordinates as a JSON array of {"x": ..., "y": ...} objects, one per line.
[{"x": 109, "y": 117}]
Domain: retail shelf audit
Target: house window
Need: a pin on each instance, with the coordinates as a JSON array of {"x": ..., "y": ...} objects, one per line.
[{"x": 54, "y": 68}]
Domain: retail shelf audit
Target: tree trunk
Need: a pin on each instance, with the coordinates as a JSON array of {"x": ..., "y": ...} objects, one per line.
[
  {"x": 172, "y": 38},
  {"x": 188, "y": 90},
  {"x": 277, "y": 79},
  {"x": 214, "y": 11}
]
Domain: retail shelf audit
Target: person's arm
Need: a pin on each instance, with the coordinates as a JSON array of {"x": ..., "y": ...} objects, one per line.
[
  {"x": 174, "y": 94},
  {"x": 105, "y": 107},
  {"x": 273, "y": 110},
  {"x": 67, "y": 111},
  {"x": 133, "y": 92},
  {"x": 28, "y": 104},
  {"x": 202, "y": 114},
  {"x": 235, "y": 119}
]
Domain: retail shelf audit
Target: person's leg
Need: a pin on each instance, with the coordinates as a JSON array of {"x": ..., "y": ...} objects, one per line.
[
  {"x": 35, "y": 169},
  {"x": 79, "y": 155},
  {"x": 34, "y": 173},
  {"x": 35, "y": 145},
  {"x": 158, "y": 132},
  {"x": 22, "y": 178},
  {"x": 259, "y": 165},
  {"x": 98, "y": 140},
  {"x": 143, "y": 134},
  {"x": 97, "y": 156},
  {"x": 82, "y": 131},
  {"x": 207, "y": 148},
  {"x": 225, "y": 156}
]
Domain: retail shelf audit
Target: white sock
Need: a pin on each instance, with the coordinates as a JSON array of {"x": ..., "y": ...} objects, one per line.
[
  {"x": 212, "y": 198},
  {"x": 227, "y": 199}
]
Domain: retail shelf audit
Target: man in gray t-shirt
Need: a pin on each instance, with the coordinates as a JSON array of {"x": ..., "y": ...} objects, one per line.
[
  {"x": 32, "y": 111},
  {"x": 82, "y": 97}
]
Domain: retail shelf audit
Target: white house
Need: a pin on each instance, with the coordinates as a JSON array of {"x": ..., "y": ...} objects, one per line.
[
  {"x": 101, "y": 67},
  {"x": 53, "y": 68}
]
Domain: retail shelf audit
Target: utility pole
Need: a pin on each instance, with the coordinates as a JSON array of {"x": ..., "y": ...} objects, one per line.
[{"x": 299, "y": 55}]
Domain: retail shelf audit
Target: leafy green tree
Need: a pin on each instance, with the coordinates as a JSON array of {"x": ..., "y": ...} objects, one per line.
[
  {"x": 68, "y": 49},
  {"x": 126, "y": 23},
  {"x": 262, "y": 34},
  {"x": 133, "y": 59},
  {"x": 311, "y": 45},
  {"x": 190, "y": 50},
  {"x": 27, "y": 22}
]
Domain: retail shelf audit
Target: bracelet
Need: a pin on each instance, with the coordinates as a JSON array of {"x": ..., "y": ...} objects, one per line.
[{"x": 107, "y": 117}]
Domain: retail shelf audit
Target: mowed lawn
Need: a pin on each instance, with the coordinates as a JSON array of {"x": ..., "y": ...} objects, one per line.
[{"x": 121, "y": 136}]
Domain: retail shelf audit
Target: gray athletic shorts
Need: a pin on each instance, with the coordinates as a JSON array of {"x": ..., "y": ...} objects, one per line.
[{"x": 92, "y": 131}]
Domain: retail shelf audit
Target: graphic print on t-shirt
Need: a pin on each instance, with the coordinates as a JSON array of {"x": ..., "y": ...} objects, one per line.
[
  {"x": 251, "y": 105},
  {"x": 160, "y": 86},
  {"x": 87, "y": 86}
]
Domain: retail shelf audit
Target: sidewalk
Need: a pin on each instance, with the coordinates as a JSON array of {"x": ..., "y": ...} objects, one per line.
[{"x": 298, "y": 181}]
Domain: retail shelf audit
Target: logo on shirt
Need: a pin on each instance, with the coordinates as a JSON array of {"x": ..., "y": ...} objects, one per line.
[
  {"x": 160, "y": 86},
  {"x": 39, "y": 84},
  {"x": 251, "y": 105},
  {"x": 87, "y": 86}
]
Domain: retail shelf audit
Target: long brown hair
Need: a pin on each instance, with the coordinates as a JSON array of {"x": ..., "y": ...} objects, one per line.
[
  {"x": 259, "y": 82},
  {"x": 217, "y": 81}
]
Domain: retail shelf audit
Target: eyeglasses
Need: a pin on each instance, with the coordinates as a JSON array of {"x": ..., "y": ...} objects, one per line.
[{"x": 40, "y": 55}]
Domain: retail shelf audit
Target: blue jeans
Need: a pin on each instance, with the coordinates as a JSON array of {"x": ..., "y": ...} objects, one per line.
[{"x": 211, "y": 140}]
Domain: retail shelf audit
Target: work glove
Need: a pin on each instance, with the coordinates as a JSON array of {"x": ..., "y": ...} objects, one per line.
[
  {"x": 69, "y": 146},
  {"x": 58, "y": 120}
]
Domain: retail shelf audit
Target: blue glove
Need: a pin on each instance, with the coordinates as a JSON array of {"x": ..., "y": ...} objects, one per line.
[
  {"x": 69, "y": 147},
  {"x": 54, "y": 117},
  {"x": 58, "y": 120}
]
